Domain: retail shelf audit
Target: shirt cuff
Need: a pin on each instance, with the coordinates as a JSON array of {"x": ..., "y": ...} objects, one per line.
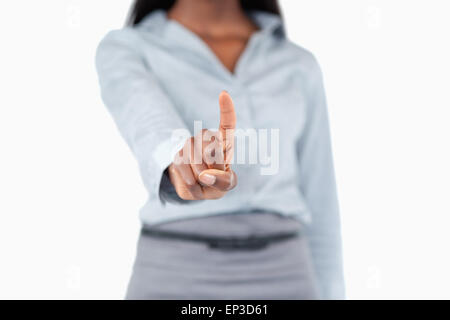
[
  {"x": 163, "y": 156},
  {"x": 167, "y": 192},
  {"x": 165, "y": 152}
]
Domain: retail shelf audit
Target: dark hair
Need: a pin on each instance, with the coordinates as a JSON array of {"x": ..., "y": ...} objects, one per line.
[{"x": 141, "y": 8}]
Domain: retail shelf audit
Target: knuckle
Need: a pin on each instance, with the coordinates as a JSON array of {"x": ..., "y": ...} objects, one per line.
[
  {"x": 186, "y": 196},
  {"x": 182, "y": 192},
  {"x": 183, "y": 195},
  {"x": 187, "y": 146},
  {"x": 178, "y": 159},
  {"x": 190, "y": 184},
  {"x": 172, "y": 169},
  {"x": 227, "y": 126},
  {"x": 232, "y": 182}
]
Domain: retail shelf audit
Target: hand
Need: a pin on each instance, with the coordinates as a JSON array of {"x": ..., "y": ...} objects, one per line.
[{"x": 201, "y": 169}]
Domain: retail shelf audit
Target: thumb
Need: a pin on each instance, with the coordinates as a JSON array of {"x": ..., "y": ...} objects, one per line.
[{"x": 218, "y": 179}]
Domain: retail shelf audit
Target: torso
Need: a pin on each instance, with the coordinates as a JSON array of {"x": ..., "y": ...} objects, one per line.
[{"x": 268, "y": 87}]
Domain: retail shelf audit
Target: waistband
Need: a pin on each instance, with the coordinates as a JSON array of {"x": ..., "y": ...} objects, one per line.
[
  {"x": 223, "y": 243},
  {"x": 233, "y": 224}
]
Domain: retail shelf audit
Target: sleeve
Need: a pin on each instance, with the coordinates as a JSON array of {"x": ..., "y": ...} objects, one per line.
[
  {"x": 141, "y": 109},
  {"x": 317, "y": 184}
]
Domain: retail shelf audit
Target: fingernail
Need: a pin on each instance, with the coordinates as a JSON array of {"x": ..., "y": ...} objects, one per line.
[{"x": 207, "y": 179}]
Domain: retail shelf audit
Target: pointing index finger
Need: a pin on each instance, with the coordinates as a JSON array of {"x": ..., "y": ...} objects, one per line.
[
  {"x": 227, "y": 114},
  {"x": 227, "y": 126}
]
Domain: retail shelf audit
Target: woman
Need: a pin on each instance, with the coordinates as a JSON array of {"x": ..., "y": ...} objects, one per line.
[{"x": 214, "y": 228}]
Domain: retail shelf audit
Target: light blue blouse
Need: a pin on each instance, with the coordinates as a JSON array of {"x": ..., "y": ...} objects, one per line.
[{"x": 158, "y": 77}]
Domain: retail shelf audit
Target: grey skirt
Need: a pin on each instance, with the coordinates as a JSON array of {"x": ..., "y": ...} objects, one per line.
[{"x": 182, "y": 269}]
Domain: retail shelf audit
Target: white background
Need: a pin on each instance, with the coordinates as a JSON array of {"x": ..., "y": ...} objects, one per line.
[{"x": 70, "y": 190}]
